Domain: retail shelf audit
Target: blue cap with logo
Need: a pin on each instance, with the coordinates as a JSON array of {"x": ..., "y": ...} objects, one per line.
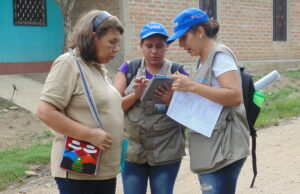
[
  {"x": 185, "y": 20},
  {"x": 153, "y": 28}
]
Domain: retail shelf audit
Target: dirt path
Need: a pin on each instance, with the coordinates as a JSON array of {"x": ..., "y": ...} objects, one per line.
[{"x": 278, "y": 155}]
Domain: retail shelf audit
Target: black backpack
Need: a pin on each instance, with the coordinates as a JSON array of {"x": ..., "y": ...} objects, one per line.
[
  {"x": 252, "y": 112},
  {"x": 134, "y": 65}
]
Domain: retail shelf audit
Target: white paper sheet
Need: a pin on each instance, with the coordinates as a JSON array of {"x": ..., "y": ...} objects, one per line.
[{"x": 194, "y": 112}]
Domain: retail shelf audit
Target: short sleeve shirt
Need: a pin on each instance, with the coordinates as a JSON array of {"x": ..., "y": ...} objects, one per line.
[
  {"x": 63, "y": 89},
  {"x": 223, "y": 63}
]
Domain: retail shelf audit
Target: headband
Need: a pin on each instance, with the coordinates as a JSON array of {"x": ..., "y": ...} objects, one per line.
[{"x": 99, "y": 19}]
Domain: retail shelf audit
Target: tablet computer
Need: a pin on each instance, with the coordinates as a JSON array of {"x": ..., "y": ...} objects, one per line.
[{"x": 157, "y": 80}]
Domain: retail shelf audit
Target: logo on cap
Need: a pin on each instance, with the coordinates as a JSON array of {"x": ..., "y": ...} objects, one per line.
[
  {"x": 197, "y": 16},
  {"x": 155, "y": 27}
]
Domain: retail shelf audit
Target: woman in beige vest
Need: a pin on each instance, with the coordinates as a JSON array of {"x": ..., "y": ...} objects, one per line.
[
  {"x": 217, "y": 159},
  {"x": 63, "y": 107},
  {"x": 156, "y": 142}
]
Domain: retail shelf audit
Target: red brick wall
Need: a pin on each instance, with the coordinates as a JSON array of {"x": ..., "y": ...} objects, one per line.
[
  {"x": 247, "y": 27},
  {"x": 162, "y": 11},
  {"x": 294, "y": 28}
]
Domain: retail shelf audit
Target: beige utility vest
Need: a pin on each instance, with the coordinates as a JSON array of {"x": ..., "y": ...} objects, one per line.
[
  {"x": 230, "y": 138},
  {"x": 153, "y": 136}
]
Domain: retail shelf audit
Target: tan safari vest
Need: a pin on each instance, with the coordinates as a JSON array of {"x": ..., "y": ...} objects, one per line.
[
  {"x": 153, "y": 136},
  {"x": 230, "y": 139}
]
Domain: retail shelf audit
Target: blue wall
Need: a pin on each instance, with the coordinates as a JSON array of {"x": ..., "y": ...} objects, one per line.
[{"x": 30, "y": 43}]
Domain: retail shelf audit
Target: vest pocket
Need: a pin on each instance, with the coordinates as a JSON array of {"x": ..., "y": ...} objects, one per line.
[
  {"x": 168, "y": 141},
  {"x": 132, "y": 131},
  {"x": 208, "y": 153}
]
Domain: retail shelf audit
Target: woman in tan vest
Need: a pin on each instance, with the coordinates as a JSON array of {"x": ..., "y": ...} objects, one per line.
[
  {"x": 64, "y": 108},
  {"x": 156, "y": 142},
  {"x": 217, "y": 159}
]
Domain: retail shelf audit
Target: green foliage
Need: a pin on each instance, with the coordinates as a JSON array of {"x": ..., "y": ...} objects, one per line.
[{"x": 14, "y": 163}]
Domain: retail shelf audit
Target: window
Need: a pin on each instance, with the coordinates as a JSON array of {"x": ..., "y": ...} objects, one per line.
[
  {"x": 209, "y": 6},
  {"x": 279, "y": 20},
  {"x": 30, "y": 12}
]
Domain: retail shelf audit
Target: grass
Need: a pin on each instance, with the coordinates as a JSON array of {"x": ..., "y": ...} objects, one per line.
[
  {"x": 281, "y": 102},
  {"x": 14, "y": 162}
]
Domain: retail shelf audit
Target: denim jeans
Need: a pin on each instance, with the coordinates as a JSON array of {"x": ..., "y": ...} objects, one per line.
[
  {"x": 62, "y": 185},
  {"x": 162, "y": 178},
  {"x": 222, "y": 181},
  {"x": 70, "y": 186}
]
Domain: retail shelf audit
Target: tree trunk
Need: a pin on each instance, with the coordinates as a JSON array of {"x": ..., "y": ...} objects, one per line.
[{"x": 66, "y": 8}]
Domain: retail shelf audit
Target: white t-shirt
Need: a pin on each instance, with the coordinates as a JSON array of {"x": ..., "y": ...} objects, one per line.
[{"x": 222, "y": 64}]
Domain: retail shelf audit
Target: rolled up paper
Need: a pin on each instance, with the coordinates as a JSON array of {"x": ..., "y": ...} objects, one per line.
[{"x": 266, "y": 80}]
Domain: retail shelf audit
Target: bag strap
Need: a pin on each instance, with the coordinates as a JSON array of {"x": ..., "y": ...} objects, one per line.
[
  {"x": 176, "y": 67},
  {"x": 133, "y": 67},
  {"x": 87, "y": 91}
]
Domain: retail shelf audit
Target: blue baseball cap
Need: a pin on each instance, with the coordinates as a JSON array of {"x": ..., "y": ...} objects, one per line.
[
  {"x": 153, "y": 28},
  {"x": 185, "y": 20}
]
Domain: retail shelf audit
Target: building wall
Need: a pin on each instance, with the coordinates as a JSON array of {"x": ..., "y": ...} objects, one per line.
[
  {"x": 249, "y": 30},
  {"x": 246, "y": 27},
  {"x": 80, "y": 6},
  {"x": 113, "y": 7},
  {"x": 22, "y": 45},
  {"x": 134, "y": 14},
  {"x": 30, "y": 43},
  {"x": 140, "y": 12}
]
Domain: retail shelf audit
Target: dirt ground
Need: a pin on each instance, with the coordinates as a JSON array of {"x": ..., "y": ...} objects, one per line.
[
  {"x": 19, "y": 127},
  {"x": 278, "y": 154}
]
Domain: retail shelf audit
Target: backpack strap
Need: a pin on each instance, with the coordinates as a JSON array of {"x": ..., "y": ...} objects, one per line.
[
  {"x": 133, "y": 67},
  {"x": 252, "y": 111},
  {"x": 176, "y": 67},
  {"x": 135, "y": 64}
]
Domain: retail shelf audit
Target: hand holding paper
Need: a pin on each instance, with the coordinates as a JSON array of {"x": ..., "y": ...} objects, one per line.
[{"x": 181, "y": 82}]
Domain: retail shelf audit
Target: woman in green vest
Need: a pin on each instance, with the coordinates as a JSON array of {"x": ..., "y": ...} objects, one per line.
[
  {"x": 217, "y": 159},
  {"x": 156, "y": 142}
]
